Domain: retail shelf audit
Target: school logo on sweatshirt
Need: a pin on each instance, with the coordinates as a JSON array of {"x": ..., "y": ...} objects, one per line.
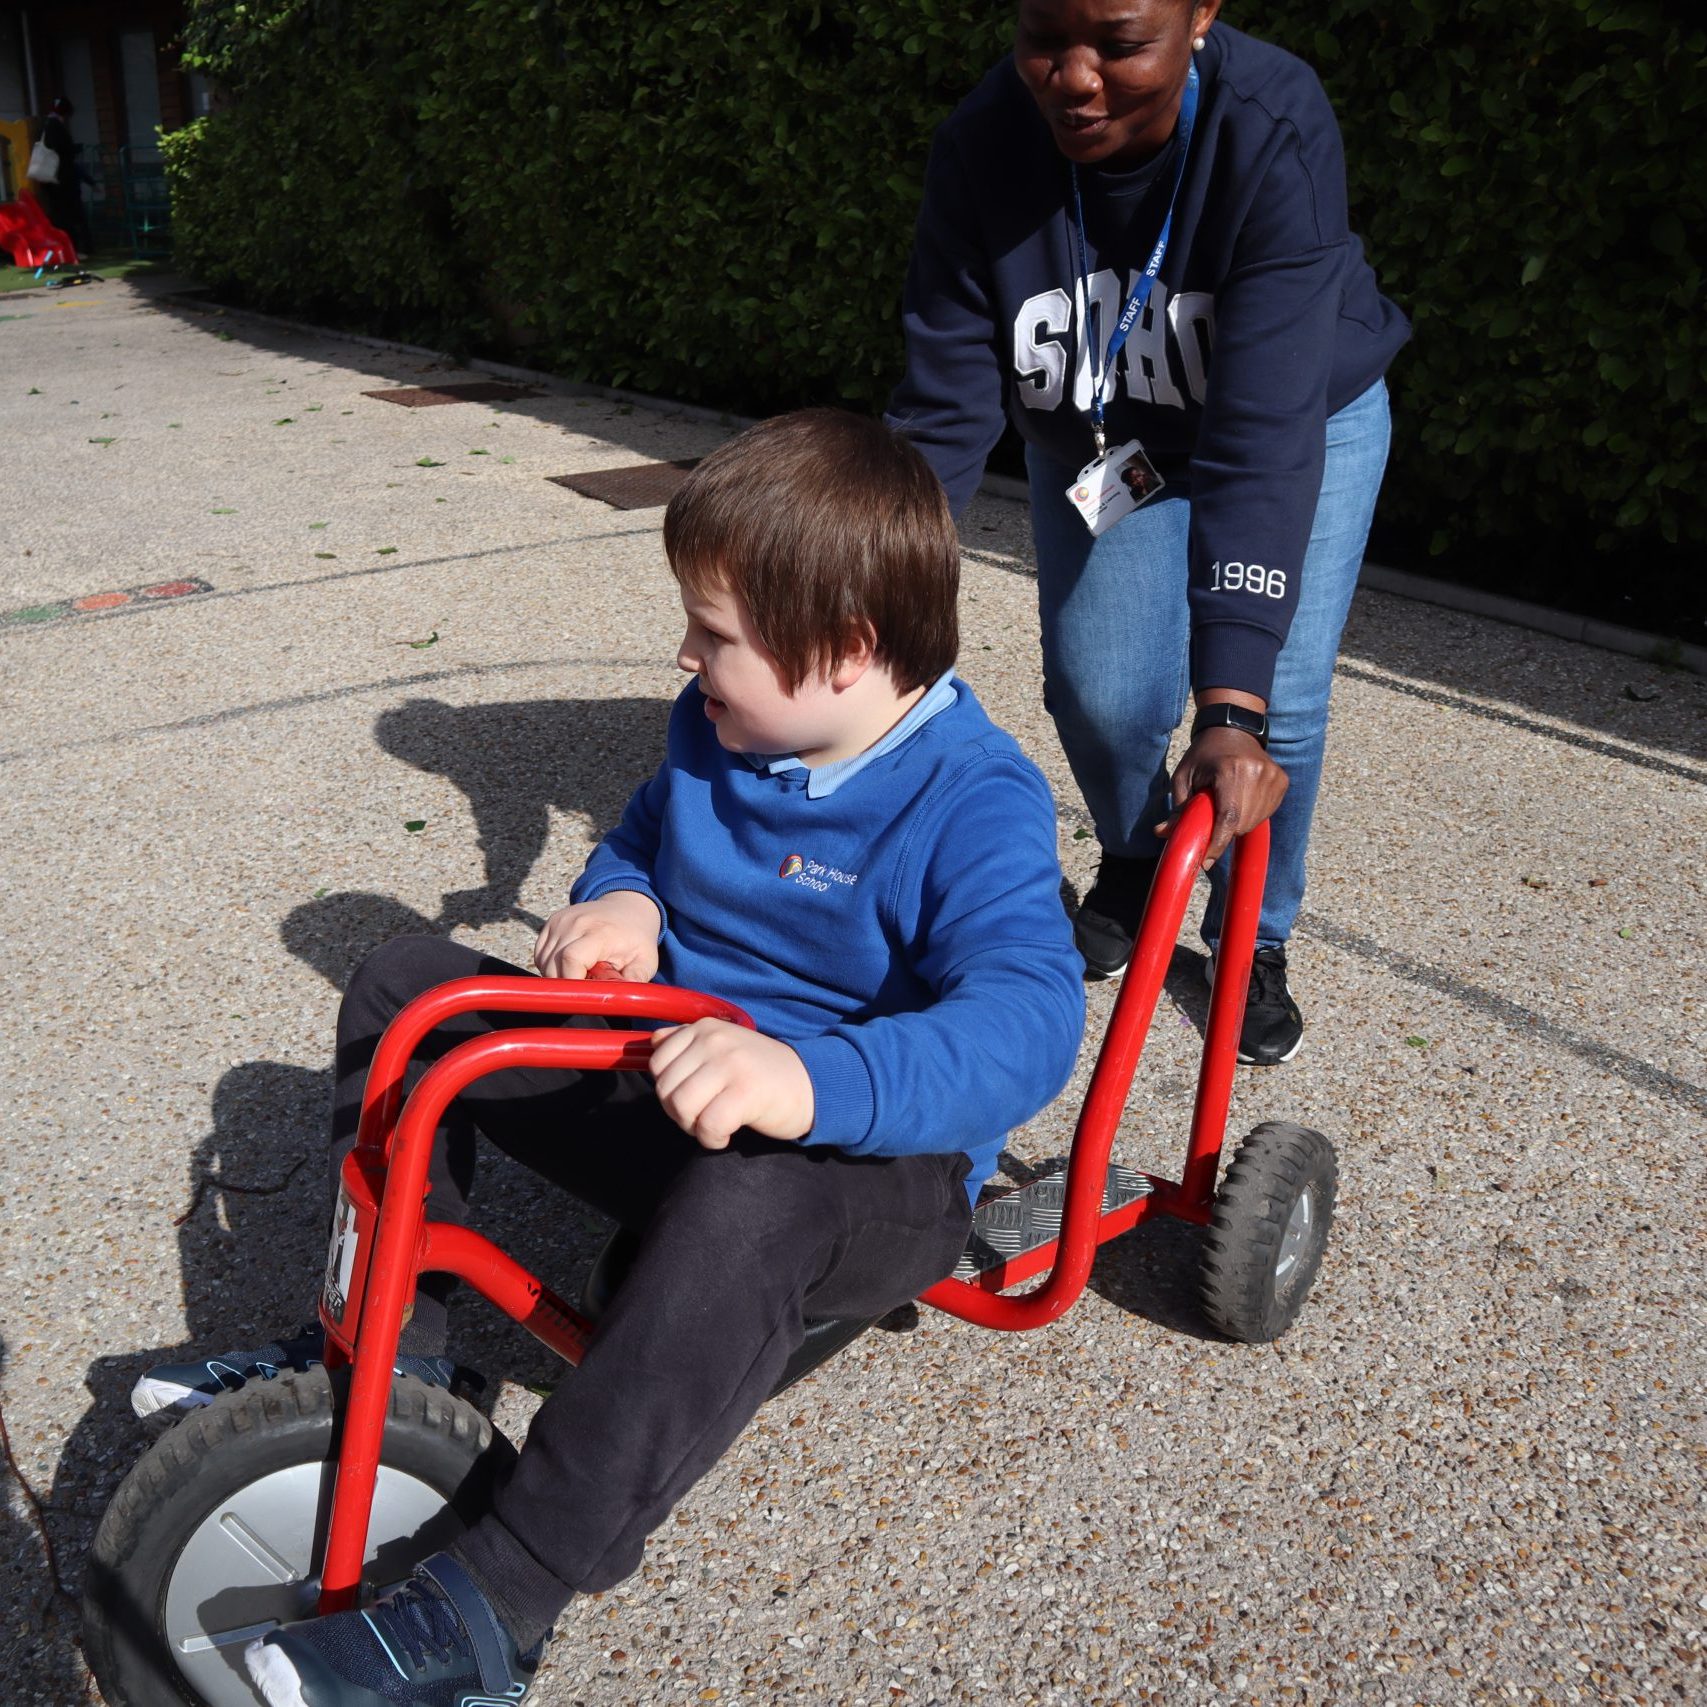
[{"x": 811, "y": 874}]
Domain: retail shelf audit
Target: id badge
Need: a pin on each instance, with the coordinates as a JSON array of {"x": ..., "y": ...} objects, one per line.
[{"x": 1113, "y": 485}]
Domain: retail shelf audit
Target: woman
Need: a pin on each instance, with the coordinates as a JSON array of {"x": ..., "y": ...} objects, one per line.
[{"x": 1204, "y": 455}]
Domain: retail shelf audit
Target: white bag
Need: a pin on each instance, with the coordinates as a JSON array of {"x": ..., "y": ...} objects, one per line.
[{"x": 44, "y": 164}]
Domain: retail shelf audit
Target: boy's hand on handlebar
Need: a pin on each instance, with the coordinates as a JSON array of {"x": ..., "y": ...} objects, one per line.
[
  {"x": 714, "y": 1078},
  {"x": 621, "y": 927},
  {"x": 1245, "y": 785}
]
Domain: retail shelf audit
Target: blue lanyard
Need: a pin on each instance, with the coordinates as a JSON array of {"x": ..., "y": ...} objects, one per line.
[{"x": 1141, "y": 293}]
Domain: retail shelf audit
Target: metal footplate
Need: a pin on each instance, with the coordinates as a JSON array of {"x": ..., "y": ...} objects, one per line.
[{"x": 1009, "y": 1225}]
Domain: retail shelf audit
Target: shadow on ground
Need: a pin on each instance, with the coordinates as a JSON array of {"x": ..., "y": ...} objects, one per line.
[
  {"x": 1626, "y": 699},
  {"x": 634, "y": 427},
  {"x": 515, "y": 763},
  {"x": 252, "y": 1240},
  {"x": 39, "y": 1655}
]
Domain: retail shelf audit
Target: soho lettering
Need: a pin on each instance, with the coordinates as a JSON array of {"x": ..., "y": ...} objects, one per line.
[{"x": 1172, "y": 336}]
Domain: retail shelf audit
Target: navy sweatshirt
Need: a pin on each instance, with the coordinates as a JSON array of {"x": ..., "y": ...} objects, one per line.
[
  {"x": 1264, "y": 320},
  {"x": 903, "y": 933}
]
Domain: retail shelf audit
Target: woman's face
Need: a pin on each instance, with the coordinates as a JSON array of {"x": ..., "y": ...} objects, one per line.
[{"x": 1108, "y": 74}]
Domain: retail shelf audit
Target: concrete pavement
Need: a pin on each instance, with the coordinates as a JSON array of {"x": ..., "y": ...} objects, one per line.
[{"x": 1473, "y": 1472}]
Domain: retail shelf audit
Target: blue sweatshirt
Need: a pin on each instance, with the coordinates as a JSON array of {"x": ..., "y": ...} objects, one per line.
[
  {"x": 1264, "y": 320},
  {"x": 903, "y": 932}
]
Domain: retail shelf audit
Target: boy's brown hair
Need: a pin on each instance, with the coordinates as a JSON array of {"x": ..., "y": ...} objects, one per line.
[{"x": 825, "y": 522}]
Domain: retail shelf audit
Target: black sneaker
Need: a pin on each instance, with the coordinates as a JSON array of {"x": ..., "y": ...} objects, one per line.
[
  {"x": 436, "y": 1642},
  {"x": 182, "y": 1387},
  {"x": 1109, "y": 916},
  {"x": 1273, "y": 1027}
]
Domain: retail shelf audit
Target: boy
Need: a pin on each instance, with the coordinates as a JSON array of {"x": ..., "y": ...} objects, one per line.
[{"x": 840, "y": 841}]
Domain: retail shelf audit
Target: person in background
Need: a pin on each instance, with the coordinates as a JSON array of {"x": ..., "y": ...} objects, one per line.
[
  {"x": 62, "y": 200},
  {"x": 1134, "y": 247}
]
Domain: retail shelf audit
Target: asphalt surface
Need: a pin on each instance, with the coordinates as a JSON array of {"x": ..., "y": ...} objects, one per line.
[{"x": 1472, "y": 1472}]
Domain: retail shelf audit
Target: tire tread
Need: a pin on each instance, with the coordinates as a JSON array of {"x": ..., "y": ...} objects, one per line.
[{"x": 1274, "y": 1164}]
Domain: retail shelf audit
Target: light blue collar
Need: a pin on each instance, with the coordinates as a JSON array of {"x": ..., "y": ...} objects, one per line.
[{"x": 822, "y": 780}]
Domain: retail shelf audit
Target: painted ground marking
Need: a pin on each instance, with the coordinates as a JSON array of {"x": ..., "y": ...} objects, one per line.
[{"x": 58, "y": 609}]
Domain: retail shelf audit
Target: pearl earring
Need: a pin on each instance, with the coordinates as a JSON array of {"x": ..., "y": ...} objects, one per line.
[{"x": 1197, "y": 44}]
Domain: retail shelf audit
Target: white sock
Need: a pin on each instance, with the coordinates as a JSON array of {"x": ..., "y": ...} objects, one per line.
[{"x": 272, "y": 1674}]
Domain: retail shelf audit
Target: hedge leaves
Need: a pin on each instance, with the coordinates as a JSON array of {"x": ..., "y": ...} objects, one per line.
[{"x": 713, "y": 199}]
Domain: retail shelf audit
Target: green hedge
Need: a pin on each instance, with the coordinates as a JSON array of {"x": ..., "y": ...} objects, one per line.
[
  {"x": 1532, "y": 186},
  {"x": 713, "y": 199}
]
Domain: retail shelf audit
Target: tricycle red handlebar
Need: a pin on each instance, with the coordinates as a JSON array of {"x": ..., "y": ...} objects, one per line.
[{"x": 625, "y": 1049}]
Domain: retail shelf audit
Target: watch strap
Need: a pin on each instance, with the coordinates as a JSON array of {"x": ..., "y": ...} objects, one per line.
[{"x": 1240, "y": 717}]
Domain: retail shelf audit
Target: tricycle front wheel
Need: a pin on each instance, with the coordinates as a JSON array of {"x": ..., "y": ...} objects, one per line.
[
  {"x": 213, "y": 1537},
  {"x": 1268, "y": 1231}
]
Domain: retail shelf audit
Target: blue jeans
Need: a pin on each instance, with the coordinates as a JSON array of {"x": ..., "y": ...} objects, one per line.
[{"x": 1116, "y": 631}]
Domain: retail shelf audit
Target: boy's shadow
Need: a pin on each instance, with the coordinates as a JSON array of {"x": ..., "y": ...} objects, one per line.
[
  {"x": 248, "y": 1249},
  {"x": 38, "y": 1654},
  {"x": 252, "y": 1239},
  {"x": 515, "y": 764}
]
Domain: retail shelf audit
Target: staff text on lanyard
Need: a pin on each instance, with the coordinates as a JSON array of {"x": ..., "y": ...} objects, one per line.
[{"x": 1104, "y": 367}]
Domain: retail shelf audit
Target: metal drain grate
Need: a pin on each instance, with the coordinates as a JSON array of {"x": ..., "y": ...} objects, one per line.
[
  {"x": 1008, "y": 1226},
  {"x": 469, "y": 391},
  {"x": 644, "y": 486}
]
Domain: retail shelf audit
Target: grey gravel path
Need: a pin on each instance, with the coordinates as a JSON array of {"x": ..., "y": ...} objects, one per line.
[{"x": 1474, "y": 1472}]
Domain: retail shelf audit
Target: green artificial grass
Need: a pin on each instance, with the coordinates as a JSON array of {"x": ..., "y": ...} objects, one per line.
[{"x": 106, "y": 266}]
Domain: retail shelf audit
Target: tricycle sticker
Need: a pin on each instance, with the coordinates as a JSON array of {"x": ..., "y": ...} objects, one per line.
[{"x": 341, "y": 1258}]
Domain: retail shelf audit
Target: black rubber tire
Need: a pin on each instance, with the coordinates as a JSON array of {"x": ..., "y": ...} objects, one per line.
[
  {"x": 209, "y": 1459},
  {"x": 1275, "y": 1166}
]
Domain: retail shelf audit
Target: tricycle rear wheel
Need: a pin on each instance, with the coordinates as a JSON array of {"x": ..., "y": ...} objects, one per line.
[
  {"x": 1268, "y": 1230},
  {"x": 211, "y": 1538}
]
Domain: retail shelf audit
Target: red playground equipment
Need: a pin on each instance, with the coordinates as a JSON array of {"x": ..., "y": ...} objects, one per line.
[
  {"x": 31, "y": 238},
  {"x": 324, "y": 1488}
]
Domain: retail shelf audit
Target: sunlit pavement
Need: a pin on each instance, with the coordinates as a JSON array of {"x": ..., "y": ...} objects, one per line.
[{"x": 370, "y": 671}]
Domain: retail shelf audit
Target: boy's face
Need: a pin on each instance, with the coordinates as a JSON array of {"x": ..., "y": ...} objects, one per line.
[{"x": 746, "y": 693}]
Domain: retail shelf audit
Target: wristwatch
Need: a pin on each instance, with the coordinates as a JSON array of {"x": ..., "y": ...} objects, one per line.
[{"x": 1240, "y": 717}]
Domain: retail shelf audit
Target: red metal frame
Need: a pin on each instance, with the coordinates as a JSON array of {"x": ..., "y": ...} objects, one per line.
[
  {"x": 385, "y": 1177},
  {"x": 1083, "y": 1225}
]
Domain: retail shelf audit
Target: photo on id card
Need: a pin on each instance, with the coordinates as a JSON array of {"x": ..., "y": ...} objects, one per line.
[{"x": 1114, "y": 485}]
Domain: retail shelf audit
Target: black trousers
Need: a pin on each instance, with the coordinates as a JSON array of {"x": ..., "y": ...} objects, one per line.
[{"x": 737, "y": 1249}]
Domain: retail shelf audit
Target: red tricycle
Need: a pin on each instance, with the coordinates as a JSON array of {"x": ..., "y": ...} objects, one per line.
[{"x": 322, "y": 1488}]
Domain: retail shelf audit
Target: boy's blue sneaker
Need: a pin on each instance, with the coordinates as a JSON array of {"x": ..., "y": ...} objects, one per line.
[
  {"x": 436, "y": 1642},
  {"x": 185, "y": 1386}
]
